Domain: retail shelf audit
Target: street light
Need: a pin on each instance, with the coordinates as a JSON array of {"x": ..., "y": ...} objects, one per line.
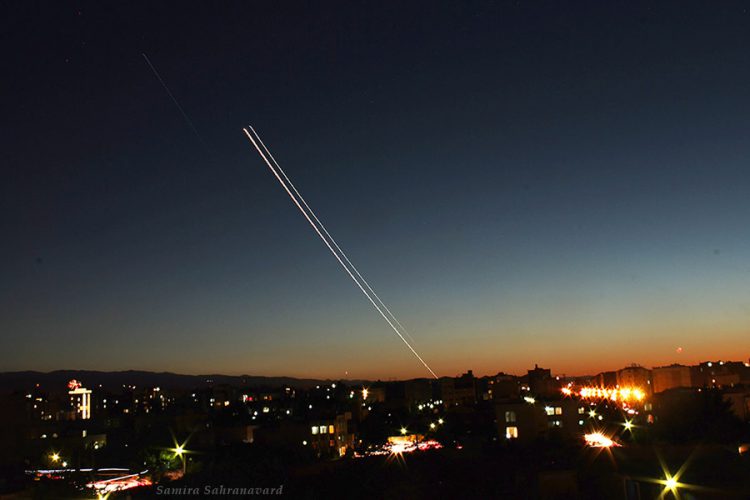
[
  {"x": 55, "y": 457},
  {"x": 179, "y": 451},
  {"x": 403, "y": 431}
]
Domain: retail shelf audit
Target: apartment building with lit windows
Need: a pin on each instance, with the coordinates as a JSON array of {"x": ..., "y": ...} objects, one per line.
[{"x": 332, "y": 437}]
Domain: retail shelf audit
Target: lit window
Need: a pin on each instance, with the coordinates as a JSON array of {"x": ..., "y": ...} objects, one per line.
[
  {"x": 315, "y": 430},
  {"x": 511, "y": 433},
  {"x": 330, "y": 429},
  {"x": 549, "y": 410},
  {"x": 558, "y": 410},
  {"x": 323, "y": 429},
  {"x": 510, "y": 416},
  {"x": 581, "y": 410}
]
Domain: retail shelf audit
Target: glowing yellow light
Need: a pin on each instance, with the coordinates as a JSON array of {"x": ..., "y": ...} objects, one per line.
[
  {"x": 432, "y": 425},
  {"x": 592, "y": 414},
  {"x": 179, "y": 451},
  {"x": 403, "y": 430},
  {"x": 55, "y": 457},
  {"x": 440, "y": 421},
  {"x": 628, "y": 425},
  {"x": 365, "y": 392},
  {"x": 566, "y": 391},
  {"x": 65, "y": 464},
  {"x": 599, "y": 440},
  {"x": 671, "y": 483}
]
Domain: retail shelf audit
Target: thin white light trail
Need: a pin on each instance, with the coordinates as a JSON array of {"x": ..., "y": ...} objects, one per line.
[
  {"x": 174, "y": 100},
  {"x": 322, "y": 226},
  {"x": 336, "y": 255}
]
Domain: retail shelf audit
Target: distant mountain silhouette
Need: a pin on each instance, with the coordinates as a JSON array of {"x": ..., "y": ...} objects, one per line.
[{"x": 56, "y": 381}]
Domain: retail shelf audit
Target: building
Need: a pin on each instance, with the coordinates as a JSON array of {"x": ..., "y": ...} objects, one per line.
[
  {"x": 504, "y": 386},
  {"x": 541, "y": 382},
  {"x": 567, "y": 415},
  {"x": 332, "y": 437},
  {"x": 606, "y": 379},
  {"x": 520, "y": 420},
  {"x": 80, "y": 401},
  {"x": 374, "y": 394},
  {"x": 721, "y": 374},
  {"x": 417, "y": 391},
  {"x": 459, "y": 391},
  {"x": 529, "y": 419},
  {"x": 635, "y": 376},
  {"x": 670, "y": 377}
]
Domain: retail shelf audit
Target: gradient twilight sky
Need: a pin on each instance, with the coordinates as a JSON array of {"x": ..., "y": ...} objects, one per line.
[{"x": 522, "y": 182}]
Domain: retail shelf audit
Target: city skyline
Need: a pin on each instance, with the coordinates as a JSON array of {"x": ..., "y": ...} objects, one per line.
[{"x": 521, "y": 185}]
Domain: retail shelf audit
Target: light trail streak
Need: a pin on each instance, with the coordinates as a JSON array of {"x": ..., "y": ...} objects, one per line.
[
  {"x": 174, "y": 100},
  {"x": 335, "y": 254},
  {"x": 322, "y": 226}
]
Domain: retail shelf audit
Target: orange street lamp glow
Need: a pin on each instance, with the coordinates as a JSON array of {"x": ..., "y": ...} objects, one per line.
[{"x": 624, "y": 394}]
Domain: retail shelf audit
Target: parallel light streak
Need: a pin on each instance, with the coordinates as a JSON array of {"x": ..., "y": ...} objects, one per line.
[
  {"x": 367, "y": 294},
  {"x": 323, "y": 228}
]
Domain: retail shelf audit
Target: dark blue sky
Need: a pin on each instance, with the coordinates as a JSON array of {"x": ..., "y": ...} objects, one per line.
[{"x": 561, "y": 183}]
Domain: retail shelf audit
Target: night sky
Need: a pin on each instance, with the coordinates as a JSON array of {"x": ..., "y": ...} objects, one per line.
[{"x": 522, "y": 182}]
